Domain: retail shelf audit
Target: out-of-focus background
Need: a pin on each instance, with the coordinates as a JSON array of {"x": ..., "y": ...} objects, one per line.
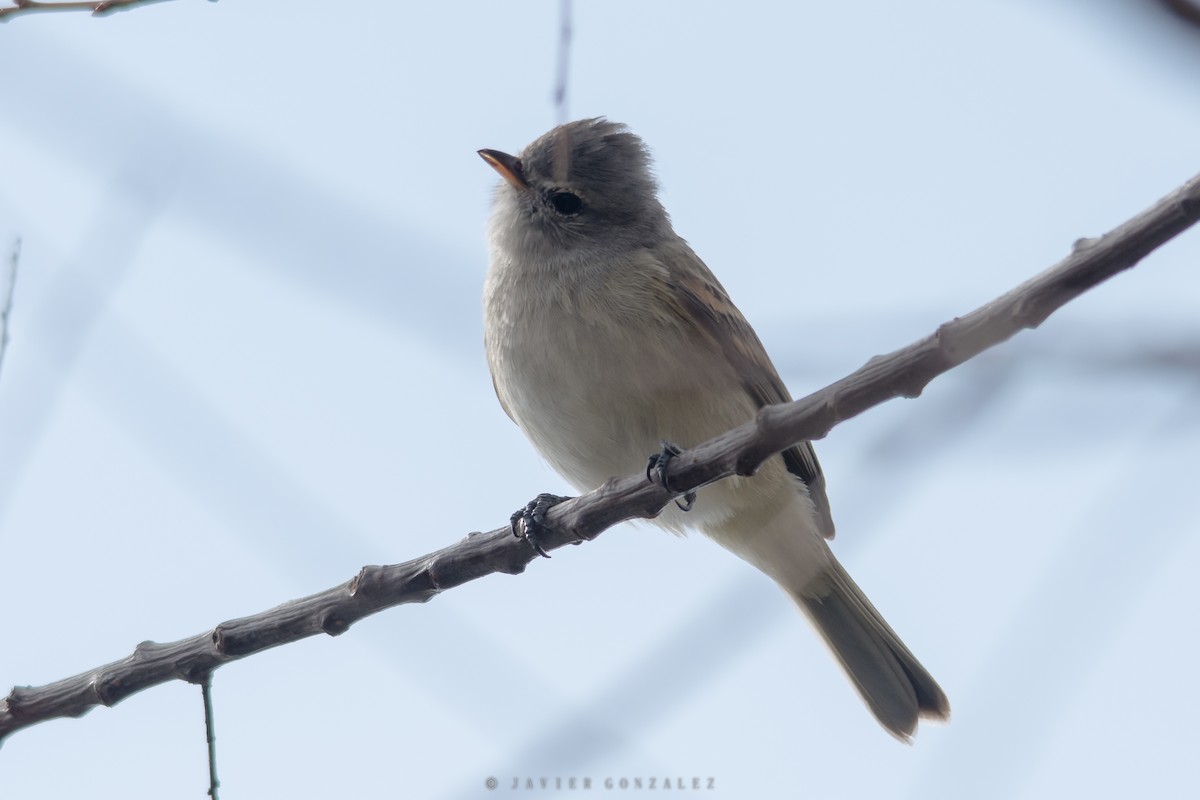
[{"x": 245, "y": 359}]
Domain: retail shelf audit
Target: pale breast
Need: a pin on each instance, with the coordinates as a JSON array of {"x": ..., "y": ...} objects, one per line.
[{"x": 598, "y": 375}]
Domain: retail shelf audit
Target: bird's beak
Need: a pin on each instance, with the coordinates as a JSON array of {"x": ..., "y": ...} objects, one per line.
[{"x": 508, "y": 166}]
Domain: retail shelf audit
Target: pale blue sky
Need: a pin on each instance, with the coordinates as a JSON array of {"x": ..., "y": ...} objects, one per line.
[{"x": 245, "y": 359}]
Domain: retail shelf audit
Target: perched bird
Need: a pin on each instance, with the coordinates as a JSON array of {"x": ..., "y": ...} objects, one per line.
[{"x": 607, "y": 336}]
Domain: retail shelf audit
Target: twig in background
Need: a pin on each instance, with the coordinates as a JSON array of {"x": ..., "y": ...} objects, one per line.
[
  {"x": 210, "y": 735},
  {"x": 564, "y": 60},
  {"x": 1188, "y": 10},
  {"x": 102, "y": 8},
  {"x": 6, "y": 295}
]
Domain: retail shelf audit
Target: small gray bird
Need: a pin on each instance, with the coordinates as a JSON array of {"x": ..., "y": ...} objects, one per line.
[{"x": 607, "y": 336}]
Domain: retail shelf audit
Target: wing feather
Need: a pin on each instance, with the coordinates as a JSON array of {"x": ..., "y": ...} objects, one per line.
[{"x": 706, "y": 302}]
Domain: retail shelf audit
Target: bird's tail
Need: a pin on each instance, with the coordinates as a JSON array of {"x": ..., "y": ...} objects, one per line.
[
  {"x": 893, "y": 683},
  {"x": 783, "y": 543}
]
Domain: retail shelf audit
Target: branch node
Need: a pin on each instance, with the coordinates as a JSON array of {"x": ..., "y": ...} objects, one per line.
[
  {"x": 217, "y": 637},
  {"x": 435, "y": 582},
  {"x": 194, "y": 670},
  {"x": 109, "y": 691},
  {"x": 334, "y": 623},
  {"x": 367, "y": 582},
  {"x": 145, "y": 649}
]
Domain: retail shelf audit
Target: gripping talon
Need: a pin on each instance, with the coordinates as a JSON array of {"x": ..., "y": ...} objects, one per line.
[
  {"x": 529, "y": 523},
  {"x": 656, "y": 472},
  {"x": 657, "y": 464}
]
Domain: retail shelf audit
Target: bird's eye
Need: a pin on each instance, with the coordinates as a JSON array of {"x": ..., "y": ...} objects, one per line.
[{"x": 566, "y": 203}]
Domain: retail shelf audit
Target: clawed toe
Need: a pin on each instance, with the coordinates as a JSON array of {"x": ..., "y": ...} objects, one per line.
[
  {"x": 529, "y": 523},
  {"x": 686, "y": 502},
  {"x": 656, "y": 472}
]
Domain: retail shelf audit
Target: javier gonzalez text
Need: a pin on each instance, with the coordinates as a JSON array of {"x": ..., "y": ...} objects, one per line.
[{"x": 522, "y": 783}]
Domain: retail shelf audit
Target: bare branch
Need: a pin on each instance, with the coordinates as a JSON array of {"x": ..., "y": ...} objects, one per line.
[
  {"x": 904, "y": 373},
  {"x": 210, "y": 736},
  {"x": 6, "y": 295},
  {"x": 102, "y": 8}
]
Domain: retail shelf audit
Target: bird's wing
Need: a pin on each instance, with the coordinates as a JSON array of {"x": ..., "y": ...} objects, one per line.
[
  {"x": 503, "y": 404},
  {"x": 706, "y": 304}
]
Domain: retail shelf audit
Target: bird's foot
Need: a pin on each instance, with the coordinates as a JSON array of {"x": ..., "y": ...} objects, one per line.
[
  {"x": 656, "y": 472},
  {"x": 529, "y": 523}
]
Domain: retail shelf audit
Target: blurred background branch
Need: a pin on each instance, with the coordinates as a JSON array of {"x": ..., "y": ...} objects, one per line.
[
  {"x": 96, "y": 9},
  {"x": 8, "y": 282},
  {"x": 1185, "y": 9},
  {"x": 562, "y": 68}
]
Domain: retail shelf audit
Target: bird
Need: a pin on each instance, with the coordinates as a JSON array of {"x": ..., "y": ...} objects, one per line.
[{"x": 608, "y": 340}]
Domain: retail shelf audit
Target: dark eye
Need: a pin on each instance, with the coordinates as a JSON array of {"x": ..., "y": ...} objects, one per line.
[{"x": 566, "y": 203}]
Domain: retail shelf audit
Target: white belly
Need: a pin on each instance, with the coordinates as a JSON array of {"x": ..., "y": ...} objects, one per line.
[{"x": 597, "y": 399}]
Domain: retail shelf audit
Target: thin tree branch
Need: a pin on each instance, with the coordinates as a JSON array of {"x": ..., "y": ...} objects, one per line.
[
  {"x": 6, "y": 295},
  {"x": 904, "y": 373},
  {"x": 210, "y": 735},
  {"x": 97, "y": 9}
]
